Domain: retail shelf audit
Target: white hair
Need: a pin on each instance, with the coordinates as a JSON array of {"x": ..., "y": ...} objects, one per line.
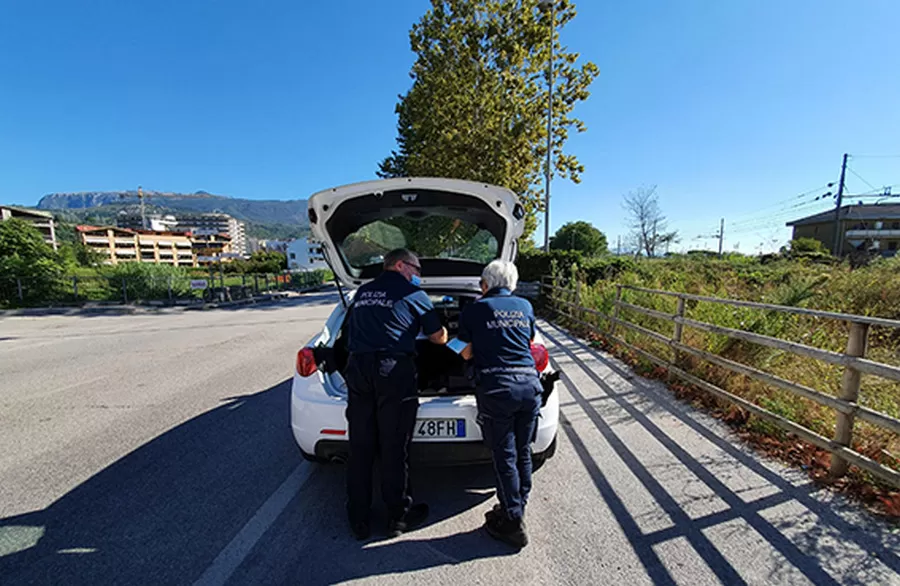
[{"x": 501, "y": 273}]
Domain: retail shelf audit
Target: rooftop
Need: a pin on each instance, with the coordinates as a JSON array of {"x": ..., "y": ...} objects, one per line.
[
  {"x": 881, "y": 211},
  {"x": 28, "y": 212}
]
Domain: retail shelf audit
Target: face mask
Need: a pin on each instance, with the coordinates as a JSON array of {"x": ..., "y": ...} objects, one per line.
[{"x": 416, "y": 280}]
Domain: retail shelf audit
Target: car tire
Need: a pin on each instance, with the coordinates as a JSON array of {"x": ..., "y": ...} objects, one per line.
[
  {"x": 312, "y": 458},
  {"x": 538, "y": 460}
]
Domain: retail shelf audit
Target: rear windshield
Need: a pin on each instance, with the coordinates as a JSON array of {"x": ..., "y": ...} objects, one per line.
[{"x": 431, "y": 237}]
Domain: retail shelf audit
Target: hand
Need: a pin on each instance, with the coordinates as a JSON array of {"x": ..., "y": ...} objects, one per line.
[{"x": 439, "y": 337}]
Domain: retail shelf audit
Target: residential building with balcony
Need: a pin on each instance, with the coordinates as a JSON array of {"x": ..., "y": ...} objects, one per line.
[
  {"x": 218, "y": 246},
  {"x": 213, "y": 224},
  {"x": 43, "y": 221},
  {"x": 863, "y": 227},
  {"x": 119, "y": 245},
  {"x": 131, "y": 220}
]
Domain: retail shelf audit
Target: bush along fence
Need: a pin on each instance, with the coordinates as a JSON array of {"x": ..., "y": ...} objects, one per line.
[
  {"x": 862, "y": 429},
  {"x": 143, "y": 288}
]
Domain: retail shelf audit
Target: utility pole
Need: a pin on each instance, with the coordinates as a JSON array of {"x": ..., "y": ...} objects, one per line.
[
  {"x": 721, "y": 236},
  {"x": 143, "y": 214},
  {"x": 836, "y": 249},
  {"x": 549, "y": 5}
]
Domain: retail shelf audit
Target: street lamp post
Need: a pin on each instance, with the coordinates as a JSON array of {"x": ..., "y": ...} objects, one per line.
[{"x": 548, "y": 6}]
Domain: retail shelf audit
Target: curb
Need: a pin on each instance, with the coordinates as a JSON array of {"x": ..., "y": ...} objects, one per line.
[{"x": 140, "y": 309}]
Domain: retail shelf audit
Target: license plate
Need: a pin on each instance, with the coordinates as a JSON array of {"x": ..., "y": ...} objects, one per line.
[{"x": 441, "y": 428}]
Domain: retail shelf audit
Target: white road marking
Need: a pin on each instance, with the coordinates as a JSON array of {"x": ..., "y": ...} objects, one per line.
[{"x": 230, "y": 558}]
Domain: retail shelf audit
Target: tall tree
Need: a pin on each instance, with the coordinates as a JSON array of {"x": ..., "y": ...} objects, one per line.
[
  {"x": 647, "y": 223},
  {"x": 477, "y": 108},
  {"x": 581, "y": 236}
]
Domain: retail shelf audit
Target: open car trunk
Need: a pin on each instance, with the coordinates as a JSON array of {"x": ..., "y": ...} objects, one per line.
[{"x": 441, "y": 370}]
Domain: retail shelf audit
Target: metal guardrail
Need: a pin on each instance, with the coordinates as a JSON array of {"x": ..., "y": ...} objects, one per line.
[{"x": 852, "y": 359}]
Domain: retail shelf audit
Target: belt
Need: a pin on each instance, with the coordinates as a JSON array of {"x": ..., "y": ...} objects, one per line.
[
  {"x": 508, "y": 370},
  {"x": 385, "y": 353}
]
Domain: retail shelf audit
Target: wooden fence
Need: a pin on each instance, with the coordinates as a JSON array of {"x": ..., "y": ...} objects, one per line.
[{"x": 565, "y": 300}]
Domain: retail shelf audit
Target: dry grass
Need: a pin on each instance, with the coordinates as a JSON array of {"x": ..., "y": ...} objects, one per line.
[{"x": 871, "y": 291}]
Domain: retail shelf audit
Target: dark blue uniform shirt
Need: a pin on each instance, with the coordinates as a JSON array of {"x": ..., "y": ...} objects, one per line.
[
  {"x": 387, "y": 315},
  {"x": 500, "y": 328}
]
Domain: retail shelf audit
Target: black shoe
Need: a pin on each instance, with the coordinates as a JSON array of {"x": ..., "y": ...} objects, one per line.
[
  {"x": 508, "y": 531},
  {"x": 361, "y": 530},
  {"x": 413, "y": 518},
  {"x": 494, "y": 514}
]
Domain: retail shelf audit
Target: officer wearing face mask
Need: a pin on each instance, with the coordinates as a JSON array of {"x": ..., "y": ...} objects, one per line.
[
  {"x": 498, "y": 329},
  {"x": 386, "y": 316}
]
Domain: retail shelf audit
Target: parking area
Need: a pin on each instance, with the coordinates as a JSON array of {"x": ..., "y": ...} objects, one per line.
[{"x": 156, "y": 449}]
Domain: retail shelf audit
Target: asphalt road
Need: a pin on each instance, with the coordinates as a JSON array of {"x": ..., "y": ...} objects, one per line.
[{"x": 156, "y": 449}]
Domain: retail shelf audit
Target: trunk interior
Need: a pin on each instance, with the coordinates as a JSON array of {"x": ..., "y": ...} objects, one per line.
[{"x": 441, "y": 370}]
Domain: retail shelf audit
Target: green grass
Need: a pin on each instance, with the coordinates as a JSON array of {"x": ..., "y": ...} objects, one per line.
[{"x": 869, "y": 291}]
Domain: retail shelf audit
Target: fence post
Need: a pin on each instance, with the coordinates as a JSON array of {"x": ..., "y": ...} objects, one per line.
[
  {"x": 266, "y": 275},
  {"x": 124, "y": 290},
  {"x": 843, "y": 433},
  {"x": 615, "y": 314},
  {"x": 75, "y": 287},
  {"x": 255, "y": 284},
  {"x": 578, "y": 313},
  {"x": 170, "y": 288},
  {"x": 19, "y": 289},
  {"x": 677, "y": 336}
]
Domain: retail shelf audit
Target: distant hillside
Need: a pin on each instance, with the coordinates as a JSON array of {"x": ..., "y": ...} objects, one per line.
[{"x": 291, "y": 212}]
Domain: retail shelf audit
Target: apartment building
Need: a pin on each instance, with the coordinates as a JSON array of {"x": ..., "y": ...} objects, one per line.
[
  {"x": 43, "y": 221},
  {"x": 155, "y": 222},
  {"x": 214, "y": 224},
  {"x": 119, "y": 245},
  {"x": 305, "y": 255},
  {"x": 869, "y": 227}
]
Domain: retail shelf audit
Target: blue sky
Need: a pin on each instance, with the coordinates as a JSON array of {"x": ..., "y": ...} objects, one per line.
[{"x": 731, "y": 108}]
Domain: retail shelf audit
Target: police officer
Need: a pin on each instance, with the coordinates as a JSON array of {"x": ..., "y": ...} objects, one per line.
[
  {"x": 386, "y": 316},
  {"x": 499, "y": 329}
]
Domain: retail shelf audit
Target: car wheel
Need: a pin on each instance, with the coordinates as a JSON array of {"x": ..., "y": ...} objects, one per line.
[
  {"x": 312, "y": 458},
  {"x": 538, "y": 460}
]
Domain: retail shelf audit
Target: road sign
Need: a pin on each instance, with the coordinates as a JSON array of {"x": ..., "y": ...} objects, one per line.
[{"x": 198, "y": 284}]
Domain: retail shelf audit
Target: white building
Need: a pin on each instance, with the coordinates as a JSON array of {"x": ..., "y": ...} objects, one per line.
[
  {"x": 209, "y": 224},
  {"x": 305, "y": 255},
  {"x": 155, "y": 222}
]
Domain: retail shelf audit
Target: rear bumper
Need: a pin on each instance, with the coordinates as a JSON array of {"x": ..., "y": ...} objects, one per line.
[
  {"x": 439, "y": 453},
  {"x": 319, "y": 426}
]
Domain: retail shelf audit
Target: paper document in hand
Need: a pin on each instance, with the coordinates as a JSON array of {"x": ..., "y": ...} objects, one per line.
[{"x": 456, "y": 345}]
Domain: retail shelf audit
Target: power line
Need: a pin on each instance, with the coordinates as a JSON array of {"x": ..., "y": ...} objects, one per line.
[
  {"x": 860, "y": 177},
  {"x": 786, "y": 211},
  {"x": 760, "y": 212},
  {"x": 876, "y": 156}
]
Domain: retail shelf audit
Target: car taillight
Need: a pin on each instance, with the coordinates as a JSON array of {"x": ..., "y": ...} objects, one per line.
[
  {"x": 541, "y": 356},
  {"x": 306, "y": 362}
]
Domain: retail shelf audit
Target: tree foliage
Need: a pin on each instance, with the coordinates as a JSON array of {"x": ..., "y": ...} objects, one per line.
[
  {"x": 807, "y": 246},
  {"x": 477, "y": 108},
  {"x": 581, "y": 236},
  {"x": 647, "y": 223},
  {"x": 262, "y": 261},
  {"x": 26, "y": 260}
]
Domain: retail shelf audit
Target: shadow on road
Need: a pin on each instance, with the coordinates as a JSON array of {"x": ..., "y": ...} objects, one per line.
[
  {"x": 164, "y": 512},
  {"x": 817, "y": 538},
  {"x": 159, "y": 514}
]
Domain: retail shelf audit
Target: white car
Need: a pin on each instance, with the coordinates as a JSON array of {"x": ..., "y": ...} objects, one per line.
[{"x": 457, "y": 227}]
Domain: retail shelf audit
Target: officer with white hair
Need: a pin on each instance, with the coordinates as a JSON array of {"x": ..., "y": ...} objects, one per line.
[{"x": 498, "y": 329}]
